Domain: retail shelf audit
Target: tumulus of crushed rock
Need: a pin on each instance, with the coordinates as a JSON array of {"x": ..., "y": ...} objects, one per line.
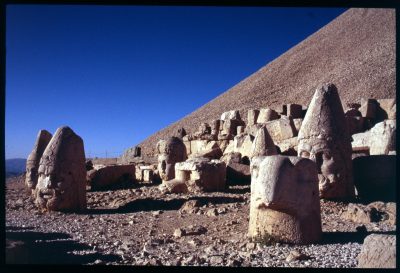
[{"x": 356, "y": 52}]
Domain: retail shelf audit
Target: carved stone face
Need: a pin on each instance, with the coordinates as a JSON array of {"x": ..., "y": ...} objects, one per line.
[
  {"x": 62, "y": 173},
  {"x": 324, "y": 138},
  {"x": 284, "y": 202},
  {"x": 32, "y": 163},
  {"x": 330, "y": 163},
  {"x": 170, "y": 152}
]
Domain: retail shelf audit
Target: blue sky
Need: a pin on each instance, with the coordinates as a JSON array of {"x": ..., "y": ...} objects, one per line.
[{"x": 117, "y": 74}]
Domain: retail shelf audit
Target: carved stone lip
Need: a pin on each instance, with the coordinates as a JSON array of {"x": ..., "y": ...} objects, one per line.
[{"x": 49, "y": 193}]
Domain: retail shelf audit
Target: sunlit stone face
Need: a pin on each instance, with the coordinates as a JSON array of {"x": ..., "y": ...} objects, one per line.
[
  {"x": 62, "y": 173},
  {"x": 331, "y": 166}
]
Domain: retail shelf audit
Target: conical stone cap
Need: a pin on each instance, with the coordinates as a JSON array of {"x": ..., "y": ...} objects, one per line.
[
  {"x": 64, "y": 151},
  {"x": 263, "y": 144},
  {"x": 325, "y": 117}
]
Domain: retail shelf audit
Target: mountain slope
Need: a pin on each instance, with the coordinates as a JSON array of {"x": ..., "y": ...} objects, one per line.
[
  {"x": 356, "y": 52},
  {"x": 15, "y": 166}
]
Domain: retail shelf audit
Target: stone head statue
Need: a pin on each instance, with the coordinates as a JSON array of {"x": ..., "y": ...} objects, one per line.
[
  {"x": 62, "y": 173},
  {"x": 324, "y": 138},
  {"x": 170, "y": 151},
  {"x": 284, "y": 203},
  {"x": 32, "y": 163}
]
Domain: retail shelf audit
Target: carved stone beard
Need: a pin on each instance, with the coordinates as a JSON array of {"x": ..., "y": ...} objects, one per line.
[{"x": 333, "y": 168}]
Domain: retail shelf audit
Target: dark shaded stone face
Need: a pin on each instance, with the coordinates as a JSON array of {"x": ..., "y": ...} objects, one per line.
[
  {"x": 170, "y": 152},
  {"x": 62, "y": 173}
]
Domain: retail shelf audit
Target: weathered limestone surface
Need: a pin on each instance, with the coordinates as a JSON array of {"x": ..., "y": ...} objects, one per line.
[
  {"x": 209, "y": 149},
  {"x": 32, "y": 163},
  {"x": 383, "y": 137},
  {"x": 202, "y": 174},
  {"x": 380, "y": 139},
  {"x": 368, "y": 108},
  {"x": 243, "y": 144},
  {"x": 109, "y": 175},
  {"x": 233, "y": 114},
  {"x": 281, "y": 129},
  {"x": 262, "y": 144},
  {"x": 170, "y": 152},
  {"x": 267, "y": 114},
  {"x": 373, "y": 212},
  {"x": 294, "y": 111},
  {"x": 252, "y": 116},
  {"x": 62, "y": 173},
  {"x": 173, "y": 186},
  {"x": 375, "y": 177},
  {"x": 237, "y": 168},
  {"x": 324, "y": 138},
  {"x": 389, "y": 109},
  {"x": 378, "y": 251},
  {"x": 288, "y": 146},
  {"x": 284, "y": 204}
]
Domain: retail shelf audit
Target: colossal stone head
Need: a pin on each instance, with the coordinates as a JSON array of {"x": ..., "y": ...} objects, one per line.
[
  {"x": 62, "y": 173},
  {"x": 324, "y": 138},
  {"x": 284, "y": 204},
  {"x": 170, "y": 152},
  {"x": 32, "y": 163},
  {"x": 263, "y": 144}
]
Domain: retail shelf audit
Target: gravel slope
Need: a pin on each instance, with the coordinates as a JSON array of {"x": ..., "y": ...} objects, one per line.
[{"x": 356, "y": 52}]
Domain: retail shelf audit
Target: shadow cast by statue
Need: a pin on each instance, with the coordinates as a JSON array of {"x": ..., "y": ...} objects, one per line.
[
  {"x": 31, "y": 247},
  {"x": 348, "y": 237},
  {"x": 150, "y": 204}
]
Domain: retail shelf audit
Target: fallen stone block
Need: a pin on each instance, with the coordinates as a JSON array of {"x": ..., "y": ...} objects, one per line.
[
  {"x": 202, "y": 174},
  {"x": 267, "y": 114},
  {"x": 110, "y": 175},
  {"x": 378, "y": 251}
]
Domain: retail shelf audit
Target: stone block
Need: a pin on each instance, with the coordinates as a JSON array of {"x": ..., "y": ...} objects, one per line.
[
  {"x": 378, "y": 251},
  {"x": 252, "y": 116},
  {"x": 386, "y": 109},
  {"x": 294, "y": 111},
  {"x": 202, "y": 174},
  {"x": 368, "y": 108},
  {"x": 111, "y": 175},
  {"x": 267, "y": 114}
]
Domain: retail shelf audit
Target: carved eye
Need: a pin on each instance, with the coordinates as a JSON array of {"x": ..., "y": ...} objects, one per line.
[
  {"x": 327, "y": 156},
  {"x": 305, "y": 154}
]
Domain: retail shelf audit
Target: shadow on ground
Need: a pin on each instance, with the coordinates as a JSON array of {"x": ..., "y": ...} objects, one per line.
[
  {"x": 348, "y": 237},
  {"x": 150, "y": 204},
  {"x": 30, "y": 247}
]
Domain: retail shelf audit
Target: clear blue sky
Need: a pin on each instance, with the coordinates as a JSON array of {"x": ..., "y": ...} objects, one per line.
[{"x": 117, "y": 74}]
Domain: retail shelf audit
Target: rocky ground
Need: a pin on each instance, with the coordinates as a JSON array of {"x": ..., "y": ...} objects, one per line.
[{"x": 140, "y": 226}]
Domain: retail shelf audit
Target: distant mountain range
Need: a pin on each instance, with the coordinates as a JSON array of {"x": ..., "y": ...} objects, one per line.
[{"x": 15, "y": 166}]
